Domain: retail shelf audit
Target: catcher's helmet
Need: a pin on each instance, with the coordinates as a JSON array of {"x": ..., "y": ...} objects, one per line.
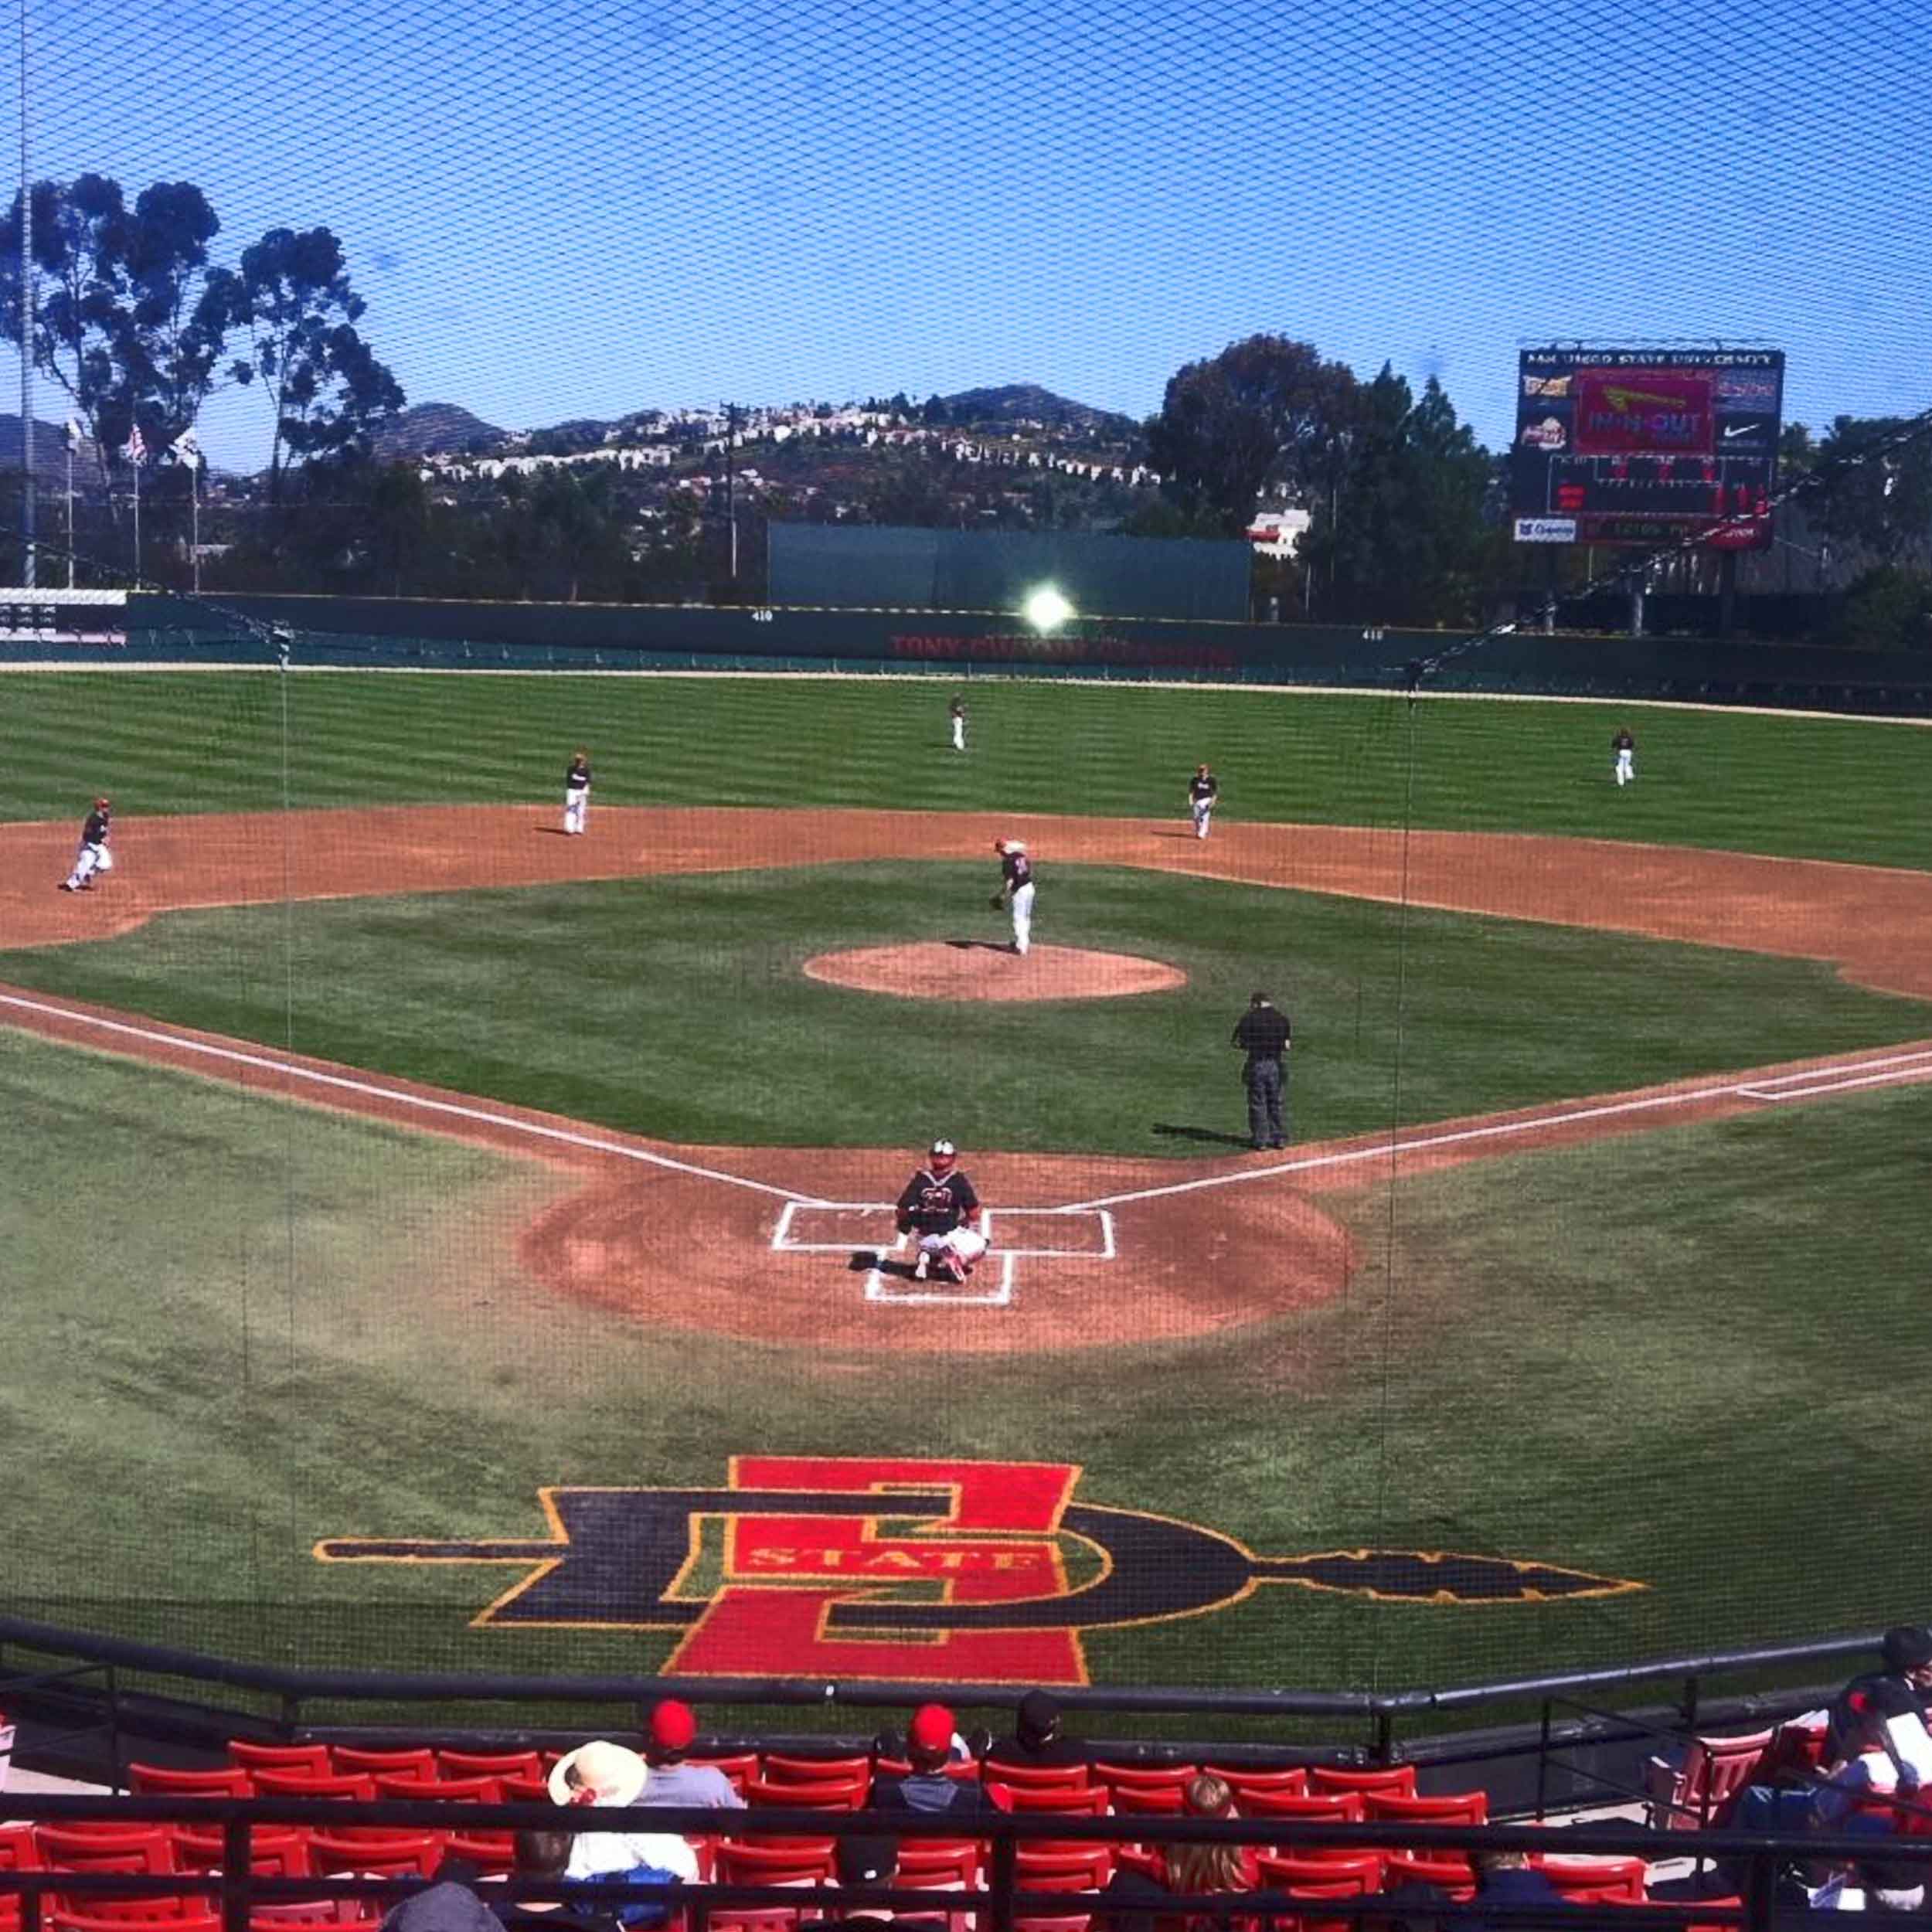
[
  {"x": 942, "y": 1155},
  {"x": 100, "y": 804}
]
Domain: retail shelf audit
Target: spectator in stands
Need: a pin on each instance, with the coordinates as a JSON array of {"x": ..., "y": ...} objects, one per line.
[
  {"x": 869, "y": 1860},
  {"x": 547, "y": 1854},
  {"x": 928, "y": 1787},
  {"x": 673, "y": 1725},
  {"x": 602, "y": 1774},
  {"x": 1509, "y": 1878},
  {"x": 1037, "y": 1737},
  {"x": 1905, "y": 1656},
  {"x": 1195, "y": 1868},
  {"x": 447, "y": 1906},
  {"x": 1850, "y": 1797}
]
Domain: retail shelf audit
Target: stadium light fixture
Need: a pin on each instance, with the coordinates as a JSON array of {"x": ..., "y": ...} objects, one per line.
[{"x": 1046, "y": 609}]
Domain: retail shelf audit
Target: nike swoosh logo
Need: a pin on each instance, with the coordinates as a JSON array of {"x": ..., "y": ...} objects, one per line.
[{"x": 1740, "y": 429}]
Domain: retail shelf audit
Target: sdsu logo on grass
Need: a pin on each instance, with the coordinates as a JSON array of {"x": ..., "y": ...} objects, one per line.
[{"x": 966, "y": 1572}]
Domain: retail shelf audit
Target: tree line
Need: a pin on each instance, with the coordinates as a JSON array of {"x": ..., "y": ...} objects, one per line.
[{"x": 136, "y": 323}]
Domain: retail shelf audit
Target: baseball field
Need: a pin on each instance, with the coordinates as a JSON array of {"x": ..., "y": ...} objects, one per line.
[{"x": 436, "y": 1241}]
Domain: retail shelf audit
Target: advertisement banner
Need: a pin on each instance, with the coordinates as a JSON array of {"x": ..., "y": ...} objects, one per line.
[{"x": 1642, "y": 411}]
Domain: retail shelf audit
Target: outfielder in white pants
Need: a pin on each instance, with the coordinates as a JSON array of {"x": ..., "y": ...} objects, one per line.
[{"x": 576, "y": 793}]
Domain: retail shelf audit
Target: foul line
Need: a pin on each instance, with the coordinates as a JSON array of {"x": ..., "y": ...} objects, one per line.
[
  {"x": 483, "y": 1117},
  {"x": 1910, "y": 1066}
]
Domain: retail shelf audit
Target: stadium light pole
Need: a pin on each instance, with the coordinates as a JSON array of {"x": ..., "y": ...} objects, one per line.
[
  {"x": 27, "y": 572},
  {"x": 1046, "y": 609}
]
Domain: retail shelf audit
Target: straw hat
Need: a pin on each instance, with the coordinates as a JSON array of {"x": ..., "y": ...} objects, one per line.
[{"x": 612, "y": 1775}]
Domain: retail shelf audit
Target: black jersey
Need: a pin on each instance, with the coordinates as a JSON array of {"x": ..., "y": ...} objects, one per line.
[
  {"x": 1623, "y": 742},
  {"x": 1263, "y": 1031},
  {"x": 94, "y": 833},
  {"x": 936, "y": 1205},
  {"x": 1203, "y": 785},
  {"x": 578, "y": 777},
  {"x": 1016, "y": 869}
]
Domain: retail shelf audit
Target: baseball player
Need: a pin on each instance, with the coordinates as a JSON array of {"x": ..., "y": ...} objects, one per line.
[
  {"x": 93, "y": 855},
  {"x": 939, "y": 1206},
  {"x": 1625, "y": 747},
  {"x": 1202, "y": 790},
  {"x": 1016, "y": 889},
  {"x": 956, "y": 711},
  {"x": 577, "y": 792}
]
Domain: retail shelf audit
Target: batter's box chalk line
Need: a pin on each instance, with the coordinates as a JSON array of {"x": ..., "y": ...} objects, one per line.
[{"x": 1038, "y": 1228}]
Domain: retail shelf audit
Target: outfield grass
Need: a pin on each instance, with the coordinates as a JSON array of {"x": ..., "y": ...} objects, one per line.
[
  {"x": 675, "y": 1006},
  {"x": 233, "y": 1337},
  {"x": 162, "y": 742}
]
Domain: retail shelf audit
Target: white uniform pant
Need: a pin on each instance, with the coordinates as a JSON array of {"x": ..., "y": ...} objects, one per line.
[
  {"x": 576, "y": 806},
  {"x": 959, "y": 734},
  {"x": 1626, "y": 768},
  {"x": 1203, "y": 812},
  {"x": 964, "y": 1244},
  {"x": 90, "y": 859},
  {"x": 1023, "y": 916}
]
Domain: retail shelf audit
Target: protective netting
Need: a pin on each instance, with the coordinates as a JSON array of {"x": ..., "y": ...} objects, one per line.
[{"x": 446, "y": 1234}]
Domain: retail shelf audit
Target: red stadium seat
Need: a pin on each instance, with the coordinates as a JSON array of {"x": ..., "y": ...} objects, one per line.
[
  {"x": 786, "y": 1862},
  {"x": 378, "y": 1853},
  {"x": 1447, "y": 1871},
  {"x": 1290, "y": 1782},
  {"x": 360, "y": 1786},
  {"x": 1072, "y": 1922},
  {"x": 496, "y": 1764},
  {"x": 780, "y": 1769},
  {"x": 1448, "y": 1808},
  {"x": 489, "y": 1852},
  {"x": 278, "y": 1757},
  {"x": 159, "y": 1912},
  {"x": 170, "y": 1780},
  {"x": 94, "y": 1848},
  {"x": 301, "y": 1912},
  {"x": 17, "y": 1850},
  {"x": 445, "y": 1790},
  {"x": 762, "y": 1918},
  {"x": 274, "y": 1851},
  {"x": 934, "y": 1862},
  {"x": 418, "y": 1763},
  {"x": 1399, "y": 1778},
  {"x": 1278, "y": 1872},
  {"x": 1144, "y": 1777},
  {"x": 1332, "y": 1807},
  {"x": 1714, "y": 1770},
  {"x": 1062, "y": 1868},
  {"x": 1091, "y": 1803},
  {"x": 1595, "y": 1881},
  {"x": 1036, "y": 1777},
  {"x": 834, "y": 1794}
]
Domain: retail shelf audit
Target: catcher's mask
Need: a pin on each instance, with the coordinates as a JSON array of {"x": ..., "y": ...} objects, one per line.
[{"x": 941, "y": 1156}]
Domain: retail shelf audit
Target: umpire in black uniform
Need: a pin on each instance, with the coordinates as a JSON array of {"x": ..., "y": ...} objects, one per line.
[{"x": 1262, "y": 1032}]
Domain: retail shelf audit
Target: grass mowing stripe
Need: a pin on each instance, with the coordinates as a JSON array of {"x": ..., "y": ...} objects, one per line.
[{"x": 1806, "y": 787}]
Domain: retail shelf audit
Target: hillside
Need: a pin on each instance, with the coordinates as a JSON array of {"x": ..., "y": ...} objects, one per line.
[{"x": 435, "y": 429}]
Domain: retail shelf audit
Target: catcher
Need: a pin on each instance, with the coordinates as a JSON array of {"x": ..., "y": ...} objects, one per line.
[{"x": 940, "y": 1205}]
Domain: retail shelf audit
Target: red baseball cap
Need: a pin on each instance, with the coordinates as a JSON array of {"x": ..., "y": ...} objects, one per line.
[
  {"x": 931, "y": 1729},
  {"x": 673, "y": 1724}
]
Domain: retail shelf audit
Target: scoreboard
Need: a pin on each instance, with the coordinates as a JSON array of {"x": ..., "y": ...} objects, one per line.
[{"x": 1647, "y": 446}]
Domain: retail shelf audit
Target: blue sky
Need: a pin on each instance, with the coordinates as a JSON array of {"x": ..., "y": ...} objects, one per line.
[{"x": 580, "y": 207}]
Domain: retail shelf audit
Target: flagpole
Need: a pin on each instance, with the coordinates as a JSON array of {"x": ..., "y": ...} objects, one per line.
[
  {"x": 194, "y": 521},
  {"x": 134, "y": 463},
  {"x": 26, "y": 327},
  {"x": 70, "y": 511}
]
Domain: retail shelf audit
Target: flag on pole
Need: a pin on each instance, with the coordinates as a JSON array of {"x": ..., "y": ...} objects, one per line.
[
  {"x": 185, "y": 449},
  {"x": 75, "y": 435},
  {"x": 135, "y": 448}
]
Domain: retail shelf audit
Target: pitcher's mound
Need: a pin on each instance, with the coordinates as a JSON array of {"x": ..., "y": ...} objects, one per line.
[{"x": 975, "y": 969}]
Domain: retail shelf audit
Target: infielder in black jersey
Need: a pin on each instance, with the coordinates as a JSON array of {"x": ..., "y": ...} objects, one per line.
[
  {"x": 1203, "y": 790},
  {"x": 1016, "y": 888},
  {"x": 938, "y": 1206},
  {"x": 577, "y": 793},
  {"x": 93, "y": 855}
]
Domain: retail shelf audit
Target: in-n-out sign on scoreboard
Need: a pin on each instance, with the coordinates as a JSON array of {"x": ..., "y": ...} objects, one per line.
[{"x": 1647, "y": 446}]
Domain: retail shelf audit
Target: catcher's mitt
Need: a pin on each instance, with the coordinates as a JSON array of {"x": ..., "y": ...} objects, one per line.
[{"x": 996, "y": 902}]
